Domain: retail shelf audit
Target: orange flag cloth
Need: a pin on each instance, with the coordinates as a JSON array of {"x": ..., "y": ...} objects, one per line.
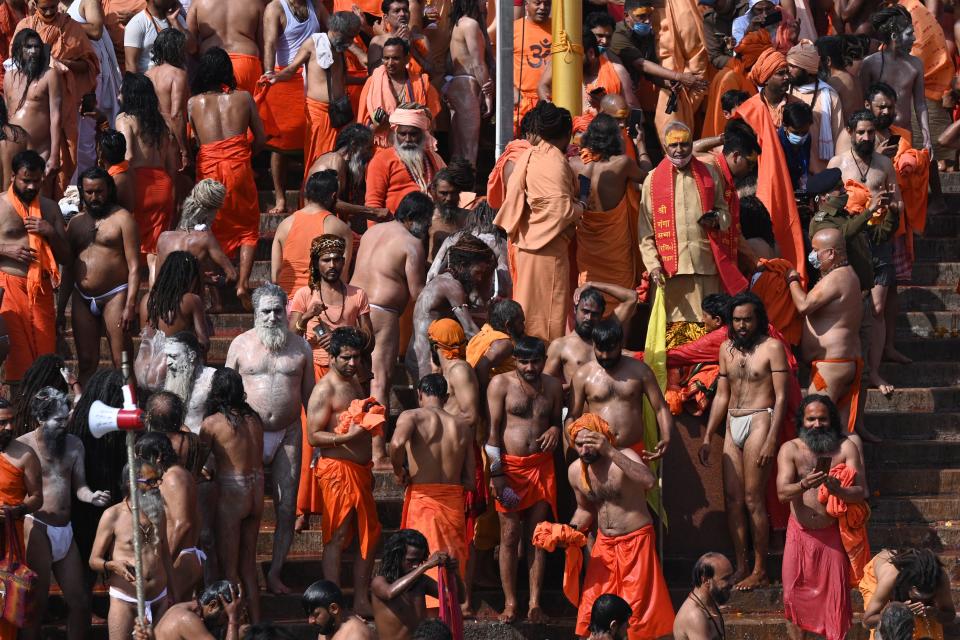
[
  {"x": 368, "y": 413},
  {"x": 347, "y": 490},
  {"x": 852, "y": 518},
  {"x": 772, "y": 289},
  {"x": 378, "y": 92},
  {"x": 627, "y": 565},
  {"x": 496, "y": 187},
  {"x": 247, "y": 70},
  {"x": 734, "y": 77},
  {"x": 283, "y": 122},
  {"x": 533, "y": 478},
  {"x": 604, "y": 252},
  {"x": 913, "y": 176},
  {"x": 154, "y": 208},
  {"x": 228, "y": 161},
  {"x": 448, "y": 337},
  {"x": 548, "y": 536},
  {"x": 859, "y": 197}
]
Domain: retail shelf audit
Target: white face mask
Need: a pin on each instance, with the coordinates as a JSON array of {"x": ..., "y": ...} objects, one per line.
[{"x": 680, "y": 163}]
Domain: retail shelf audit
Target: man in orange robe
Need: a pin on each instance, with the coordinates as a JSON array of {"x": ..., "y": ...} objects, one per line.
[
  {"x": 539, "y": 214},
  {"x": 601, "y": 77},
  {"x": 29, "y": 278},
  {"x": 532, "y": 38},
  {"x": 116, "y": 14},
  {"x": 682, "y": 48},
  {"x": 773, "y": 179},
  {"x": 220, "y": 123},
  {"x": 407, "y": 166},
  {"x": 500, "y": 174},
  {"x": 69, "y": 46},
  {"x": 733, "y": 77},
  {"x": 624, "y": 558}
]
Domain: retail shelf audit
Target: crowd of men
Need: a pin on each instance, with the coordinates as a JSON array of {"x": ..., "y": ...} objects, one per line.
[{"x": 735, "y": 202}]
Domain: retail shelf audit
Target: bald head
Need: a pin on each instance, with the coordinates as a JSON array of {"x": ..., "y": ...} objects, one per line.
[
  {"x": 828, "y": 239},
  {"x": 614, "y": 105}
]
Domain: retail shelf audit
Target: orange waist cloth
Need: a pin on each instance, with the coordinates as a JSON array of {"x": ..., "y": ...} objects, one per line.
[
  {"x": 852, "y": 518},
  {"x": 437, "y": 511},
  {"x": 496, "y": 186},
  {"x": 924, "y": 627},
  {"x": 533, "y": 478},
  {"x": 308, "y": 497},
  {"x": 347, "y": 488},
  {"x": 228, "y": 161},
  {"x": 851, "y": 397},
  {"x": 321, "y": 137},
  {"x": 283, "y": 120},
  {"x": 12, "y": 493},
  {"x": 548, "y": 536},
  {"x": 772, "y": 289},
  {"x": 247, "y": 69},
  {"x": 154, "y": 209},
  {"x": 294, "y": 269},
  {"x": 604, "y": 252},
  {"x": 117, "y": 169},
  {"x": 627, "y": 565},
  {"x": 30, "y": 322}
]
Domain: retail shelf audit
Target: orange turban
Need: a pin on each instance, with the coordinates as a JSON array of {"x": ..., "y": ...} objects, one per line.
[
  {"x": 548, "y": 536},
  {"x": 419, "y": 118},
  {"x": 769, "y": 62},
  {"x": 366, "y": 412},
  {"x": 752, "y": 46},
  {"x": 590, "y": 422},
  {"x": 448, "y": 336},
  {"x": 859, "y": 196}
]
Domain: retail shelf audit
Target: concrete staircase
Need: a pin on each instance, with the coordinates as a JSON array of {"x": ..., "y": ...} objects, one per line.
[{"x": 914, "y": 474}]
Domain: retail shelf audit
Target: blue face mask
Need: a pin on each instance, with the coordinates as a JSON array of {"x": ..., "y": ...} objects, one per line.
[
  {"x": 601, "y": 49},
  {"x": 796, "y": 138},
  {"x": 642, "y": 29},
  {"x": 708, "y": 3},
  {"x": 814, "y": 259}
]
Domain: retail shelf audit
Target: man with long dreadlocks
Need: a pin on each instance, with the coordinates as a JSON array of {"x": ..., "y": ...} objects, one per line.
[
  {"x": 233, "y": 431},
  {"x": 49, "y": 370},
  {"x": 105, "y": 273},
  {"x": 914, "y": 577},
  {"x": 186, "y": 376},
  {"x": 33, "y": 95},
  {"x": 351, "y": 154},
  {"x": 169, "y": 77},
  {"x": 277, "y": 370},
  {"x": 458, "y": 292}
]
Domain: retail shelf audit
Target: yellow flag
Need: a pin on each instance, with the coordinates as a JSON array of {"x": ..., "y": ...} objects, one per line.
[{"x": 655, "y": 357}]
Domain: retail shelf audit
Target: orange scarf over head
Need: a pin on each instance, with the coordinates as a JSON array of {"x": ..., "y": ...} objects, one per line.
[{"x": 45, "y": 266}]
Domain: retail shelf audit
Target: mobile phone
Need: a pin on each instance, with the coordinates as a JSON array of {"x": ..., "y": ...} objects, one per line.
[
  {"x": 584, "y": 187},
  {"x": 773, "y": 18},
  {"x": 709, "y": 215},
  {"x": 823, "y": 464},
  {"x": 893, "y": 140}
]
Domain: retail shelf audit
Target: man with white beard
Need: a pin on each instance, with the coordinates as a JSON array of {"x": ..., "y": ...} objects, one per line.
[
  {"x": 186, "y": 376},
  {"x": 351, "y": 154},
  {"x": 113, "y": 554},
  {"x": 47, "y": 531},
  {"x": 277, "y": 370}
]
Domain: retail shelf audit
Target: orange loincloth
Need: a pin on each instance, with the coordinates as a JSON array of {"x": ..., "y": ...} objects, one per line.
[
  {"x": 627, "y": 565},
  {"x": 31, "y": 324},
  {"x": 321, "y": 137},
  {"x": 481, "y": 342},
  {"x": 12, "y": 492},
  {"x": 852, "y": 397},
  {"x": 852, "y": 518},
  {"x": 924, "y": 627},
  {"x": 604, "y": 252},
  {"x": 931, "y": 47},
  {"x": 308, "y": 497},
  {"x": 680, "y": 44},
  {"x": 117, "y": 169},
  {"x": 378, "y": 92},
  {"x": 496, "y": 187},
  {"x": 346, "y": 488},
  {"x": 437, "y": 511},
  {"x": 365, "y": 412},
  {"x": 294, "y": 269},
  {"x": 548, "y": 536},
  {"x": 531, "y": 48},
  {"x": 247, "y": 69},
  {"x": 533, "y": 478},
  {"x": 228, "y": 161},
  {"x": 773, "y": 183},
  {"x": 772, "y": 289},
  {"x": 154, "y": 209},
  {"x": 283, "y": 120}
]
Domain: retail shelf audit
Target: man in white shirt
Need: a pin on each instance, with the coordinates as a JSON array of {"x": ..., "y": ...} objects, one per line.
[{"x": 143, "y": 28}]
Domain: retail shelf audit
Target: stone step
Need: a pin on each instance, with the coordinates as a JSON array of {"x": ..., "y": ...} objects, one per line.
[
  {"x": 938, "y": 536},
  {"x": 914, "y": 400},
  {"x": 914, "y": 510},
  {"x": 936, "y": 426},
  {"x": 927, "y": 324},
  {"x": 935, "y": 374},
  {"x": 929, "y": 349},
  {"x": 942, "y": 227},
  {"x": 936, "y": 273},
  {"x": 915, "y": 453},
  {"x": 932, "y": 298},
  {"x": 935, "y": 249},
  {"x": 915, "y": 482}
]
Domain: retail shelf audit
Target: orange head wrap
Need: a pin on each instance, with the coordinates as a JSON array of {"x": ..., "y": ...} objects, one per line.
[
  {"x": 805, "y": 56},
  {"x": 590, "y": 422},
  {"x": 448, "y": 337},
  {"x": 752, "y": 45},
  {"x": 768, "y": 63},
  {"x": 419, "y": 118}
]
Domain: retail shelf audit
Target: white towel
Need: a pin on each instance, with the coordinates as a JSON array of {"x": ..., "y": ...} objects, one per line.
[
  {"x": 825, "y": 143},
  {"x": 324, "y": 51}
]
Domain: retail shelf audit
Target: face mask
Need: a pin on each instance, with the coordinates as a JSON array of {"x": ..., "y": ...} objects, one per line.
[
  {"x": 680, "y": 163},
  {"x": 838, "y": 202},
  {"x": 642, "y": 29},
  {"x": 796, "y": 138},
  {"x": 814, "y": 259},
  {"x": 601, "y": 49}
]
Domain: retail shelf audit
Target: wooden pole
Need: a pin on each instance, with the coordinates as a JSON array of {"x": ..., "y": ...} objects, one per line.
[{"x": 134, "y": 501}]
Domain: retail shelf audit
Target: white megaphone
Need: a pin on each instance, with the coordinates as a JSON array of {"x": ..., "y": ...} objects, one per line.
[{"x": 104, "y": 419}]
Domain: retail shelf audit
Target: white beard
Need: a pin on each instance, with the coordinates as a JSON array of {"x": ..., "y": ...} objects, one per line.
[
  {"x": 358, "y": 168},
  {"x": 179, "y": 384},
  {"x": 152, "y": 505},
  {"x": 412, "y": 158},
  {"x": 273, "y": 338}
]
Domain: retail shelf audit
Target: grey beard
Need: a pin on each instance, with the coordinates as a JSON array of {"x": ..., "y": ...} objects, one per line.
[
  {"x": 31, "y": 67},
  {"x": 151, "y": 503},
  {"x": 820, "y": 440},
  {"x": 180, "y": 385},
  {"x": 55, "y": 442},
  {"x": 273, "y": 338},
  {"x": 412, "y": 158},
  {"x": 358, "y": 168}
]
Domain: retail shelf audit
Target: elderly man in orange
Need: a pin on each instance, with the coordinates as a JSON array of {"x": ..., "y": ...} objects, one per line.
[
  {"x": 613, "y": 483},
  {"x": 532, "y": 38},
  {"x": 539, "y": 214}
]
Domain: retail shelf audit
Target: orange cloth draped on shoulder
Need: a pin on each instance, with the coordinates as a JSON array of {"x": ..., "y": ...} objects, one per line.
[
  {"x": 604, "y": 252},
  {"x": 771, "y": 287},
  {"x": 496, "y": 187},
  {"x": 913, "y": 176},
  {"x": 533, "y": 478},
  {"x": 365, "y": 412},
  {"x": 228, "y": 162},
  {"x": 733, "y": 77},
  {"x": 852, "y": 518},
  {"x": 321, "y": 136},
  {"x": 68, "y": 41},
  {"x": 346, "y": 488},
  {"x": 284, "y": 121},
  {"x": 850, "y": 399},
  {"x": 437, "y": 511},
  {"x": 607, "y": 79},
  {"x": 681, "y": 48},
  {"x": 31, "y": 324},
  {"x": 377, "y": 92},
  {"x": 548, "y": 536},
  {"x": 924, "y": 627},
  {"x": 627, "y": 565},
  {"x": 531, "y": 49},
  {"x": 117, "y": 169},
  {"x": 12, "y": 492},
  {"x": 773, "y": 182},
  {"x": 154, "y": 208},
  {"x": 931, "y": 47},
  {"x": 309, "y": 499},
  {"x": 247, "y": 69},
  {"x": 294, "y": 269},
  {"x": 481, "y": 342}
]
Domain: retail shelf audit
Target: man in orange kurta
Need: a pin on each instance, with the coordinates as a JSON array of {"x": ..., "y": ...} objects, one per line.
[
  {"x": 733, "y": 77},
  {"x": 539, "y": 214},
  {"x": 682, "y": 48},
  {"x": 532, "y": 38},
  {"x": 70, "y": 47},
  {"x": 497, "y": 181}
]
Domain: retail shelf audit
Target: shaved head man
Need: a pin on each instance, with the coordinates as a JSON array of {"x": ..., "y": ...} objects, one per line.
[{"x": 699, "y": 617}]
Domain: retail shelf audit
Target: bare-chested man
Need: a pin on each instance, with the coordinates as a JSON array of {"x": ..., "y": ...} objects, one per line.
[
  {"x": 164, "y": 413},
  {"x": 432, "y": 455},
  {"x": 32, "y": 91},
  {"x": 525, "y": 420},
  {"x": 396, "y": 23},
  {"x": 816, "y": 568},
  {"x": 325, "y": 607},
  {"x": 459, "y": 291},
  {"x": 832, "y": 311},
  {"x": 186, "y": 375},
  {"x": 48, "y": 533},
  {"x": 613, "y": 387},
  {"x": 352, "y": 152},
  {"x": 105, "y": 274},
  {"x": 342, "y": 468},
  {"x": 233, "y": 432},
  {"x": 237, "y": 28},
  {"x": 611, "y": 485},
  {"x": 447, "y": 342},
  {"x": 277, "y": 370},
  {"x": 565, "y": 355},
  {"x": 219, "y": 605},
  {"x": 112, "y": 553},
  {"x": 182, "y": 509},
  {"x": 847, "y": 86},
  {"x": 391, "y": 267},
  {"x": 751, "y": 401},
  {"x": 699, "y": 617},
  {"x": 111, "y": 155},
  {"x": 169, "y": 77},
  {"x": 469, "y": 90}
]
